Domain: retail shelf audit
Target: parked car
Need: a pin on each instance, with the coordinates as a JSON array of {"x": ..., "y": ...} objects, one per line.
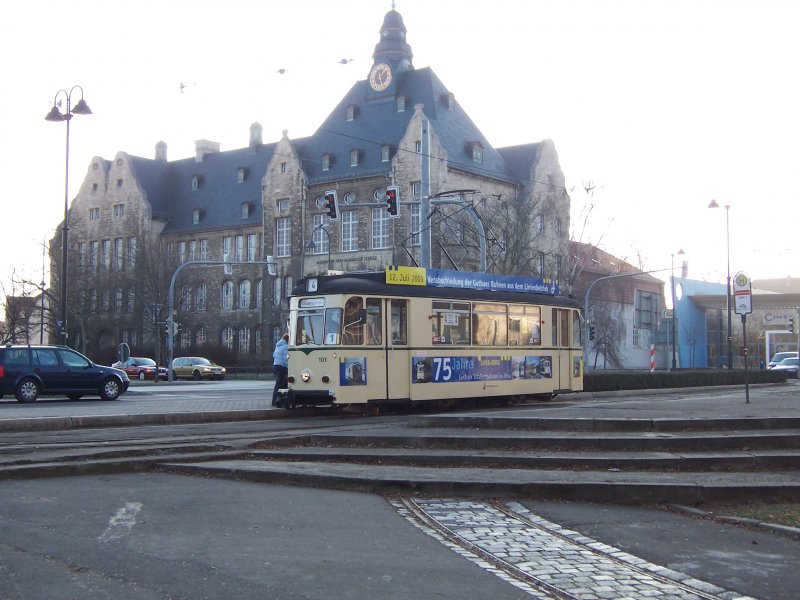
[
  {"x": 792, "y": 365},
  {"x": 141, "y": 368},
  {"x": 197, "y": 367},
  {"x": 32, "y": 371},
  {"x": 779, "y": 356}
]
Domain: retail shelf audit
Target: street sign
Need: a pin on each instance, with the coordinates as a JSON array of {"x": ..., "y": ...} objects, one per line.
[
  {"x": 123, "y": 352},
  {"x": 742, "y": 294}
]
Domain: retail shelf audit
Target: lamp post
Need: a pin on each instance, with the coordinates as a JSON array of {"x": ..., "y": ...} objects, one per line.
[
  {"x": 674, "y": 311},
  {"x": 81, "y": 108},
  {"x": 312, "y": 245},
  {"x": 714, "y": 204}
]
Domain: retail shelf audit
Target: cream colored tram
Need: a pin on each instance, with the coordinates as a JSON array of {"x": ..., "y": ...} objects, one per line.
[{"x": 377, "y": 338}]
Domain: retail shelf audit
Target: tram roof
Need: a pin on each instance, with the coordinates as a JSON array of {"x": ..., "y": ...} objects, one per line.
[{"x": 375, "y": 283}]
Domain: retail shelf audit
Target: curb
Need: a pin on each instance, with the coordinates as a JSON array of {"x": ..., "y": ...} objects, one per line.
[{"x": 784, "y": 530}]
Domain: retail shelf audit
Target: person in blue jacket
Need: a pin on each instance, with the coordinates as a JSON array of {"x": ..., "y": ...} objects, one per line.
[{"x": 280, "y": 366}]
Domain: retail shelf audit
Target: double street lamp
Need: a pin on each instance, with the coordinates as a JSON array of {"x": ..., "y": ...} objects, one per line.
[
  {"x": 55, "y": 114},
  {"x": 312, "y": 244},
  {"x": 728, "y": 303}
]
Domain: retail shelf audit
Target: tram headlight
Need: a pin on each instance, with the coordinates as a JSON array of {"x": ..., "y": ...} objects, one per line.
[{"x": 305, "y": 375}]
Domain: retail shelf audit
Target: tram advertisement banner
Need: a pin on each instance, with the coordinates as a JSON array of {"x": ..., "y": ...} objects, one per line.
[
  {"x": 353, "y": 370},
  {"x": 448, "y": 369},
  {"x": 401, "y": 275}
]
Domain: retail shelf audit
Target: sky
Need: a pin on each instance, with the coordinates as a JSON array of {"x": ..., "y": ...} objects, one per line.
[{"x": 657, "y": 107}]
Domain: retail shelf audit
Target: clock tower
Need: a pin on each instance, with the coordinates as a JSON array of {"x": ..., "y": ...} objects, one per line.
[{"x": 392, "y": 56}]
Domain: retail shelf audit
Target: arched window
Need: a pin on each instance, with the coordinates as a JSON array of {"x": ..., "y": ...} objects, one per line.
[
  {"x": 244, "y": 293},
  {"x": 186, "y": 339},
  {"x": 200, "y": 337},
  {"x": 227, "y": 296},
  {"x": 259, "y": 293},
  {"x": 244, "y": 340},
  {"x": 186, "y": 299},
  {"x": 227, "y": 338},
  {"x": 200, "y": 304}
]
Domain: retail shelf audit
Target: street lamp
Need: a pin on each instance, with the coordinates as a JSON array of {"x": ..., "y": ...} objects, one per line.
[
  {"x": 81, "y": 108},
  {"x": 312, "y": 245},
  {"x": 674, "y": 311},
  {"x": 714, "y": 204}
]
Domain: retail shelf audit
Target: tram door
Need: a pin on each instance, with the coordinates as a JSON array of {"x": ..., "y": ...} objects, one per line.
[
  {"x": 397, "y": 360},
  {"x": 561, "y": 345}
]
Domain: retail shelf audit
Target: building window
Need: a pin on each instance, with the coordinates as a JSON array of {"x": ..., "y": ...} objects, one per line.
[
  {"x": 283, "y": 168},
  {"x": 401, "y": 104},
  {"x": 258, "y": 341},
  {"x": 558, "y": 268},
  {"x": 321, "y": 240},
  {"x": 349, "y": 231},
  {"x": 385, "y": 153},
  {"x": 354, "y": 157},
  {"x": 288, "y": 286},
  {"x": 252, "y": 247},
  {"x": 119, "y": 254},
  {"x": 227, "y": 296},
  {"x": 259, "y": 293},
  {"x": 119, "y": 183},
  {"x": 94, "y": 187},
  {"x": 195, "y": 183},
  {"x": 244, "y": 294},
  {"x": 282, "y": 206},
  {"x": 94, "y": 254},
  {"x": 283, "y": 245},
  {"x": 416, "y": 221},
  {"x": 244, "y": 340},
  {"x": 351, "y": 112},
  {"x": 557, "y": 225},
  {"x": 131, "y": 300},
  {"x": 477, "y": 153},
  {"x": 200, "y": 337},
  {"x": 239, "y": 248},
  {"x": 200, "y": 303},
  {"x": 227, "y": 246},
  {"x": 538, "y": 223},
  {"x": 245, "y": 210},
  {"x": 106, "y": 300},
  {"x": 119, "y": 210},
  {"x": 181, "y": 252},
  {"x": 380, "y": 228},
  {"x": 241, "y": 172},
  {"x": 185, "y": 302},
  {"x": 540, "y": 264},
  {"x": 118, "y": 300},
  {"x": 186, "y": 339},
  {"x": 195, "y": 216},
  {"x": 203, "y": 249},
  {"x": 107, "y": 255},
  {"x": 94, "y": 214},
  {"x": 192, "y": 250},
  {"x": 418, "y": 147},
  {"x": 227, "y": 338},
  {"x": 81, "y": 254},
  {"x": 326, "y": 162},
  {"x": 276, "y": 291}
]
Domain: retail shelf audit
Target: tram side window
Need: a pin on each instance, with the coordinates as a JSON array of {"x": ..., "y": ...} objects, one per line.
[
  {"x": 489, "y": 325},
  {"x": 450, "y": 322},
  {"x": 333, "y": 325},
  {"x": 560, "y": 328},
  {"x": 309, "y": 327},
  {"x": 577, "y": 338},
  {"x": 353, "y": 331},
  {"x": 524, "y": 325},
  {"x": 400, "y": 322},
  {"x": 374, "y": 322}
]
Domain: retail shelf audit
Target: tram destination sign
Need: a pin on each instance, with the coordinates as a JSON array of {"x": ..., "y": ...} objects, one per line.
[{"x": 399, "y": 275}]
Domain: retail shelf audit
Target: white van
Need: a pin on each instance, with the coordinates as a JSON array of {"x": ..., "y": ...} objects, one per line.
[{"x": 779, "y": 356}]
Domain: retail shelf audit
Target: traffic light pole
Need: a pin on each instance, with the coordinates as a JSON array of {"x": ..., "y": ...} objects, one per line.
[{"x": 171, "y": 300}]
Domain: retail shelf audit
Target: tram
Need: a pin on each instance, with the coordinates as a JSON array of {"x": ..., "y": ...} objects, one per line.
[{"x": 414, "y": 335}]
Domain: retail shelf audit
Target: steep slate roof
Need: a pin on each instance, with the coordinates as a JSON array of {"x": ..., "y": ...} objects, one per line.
[
  {"x": 520, "y": 159},
  {"x": 377, "y": 122},
  {"x": 168, "y": 187}
]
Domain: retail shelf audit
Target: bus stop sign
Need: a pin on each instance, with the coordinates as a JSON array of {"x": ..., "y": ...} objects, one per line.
[{"x": 742, "y": 294}]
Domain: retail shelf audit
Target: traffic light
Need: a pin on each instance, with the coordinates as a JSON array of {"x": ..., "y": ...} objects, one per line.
[
  {"x": 591, "y": 332},
  {"x": 791, "y": 324},
  {"x": 393, "y": 200},
  {"x": 332, "y": 205}
]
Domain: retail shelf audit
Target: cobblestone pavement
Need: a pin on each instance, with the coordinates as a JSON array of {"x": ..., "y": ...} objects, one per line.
[{"x": 544, "y": 559}]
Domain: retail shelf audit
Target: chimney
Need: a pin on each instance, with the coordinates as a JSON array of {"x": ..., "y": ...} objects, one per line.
[
  {"x": 255, "y": 135},
  {"x": 161, "y": 151},
  {"x": 203, "y": 147}
]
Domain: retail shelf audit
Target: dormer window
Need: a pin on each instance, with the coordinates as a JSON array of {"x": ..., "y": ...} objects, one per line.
[
  {"x": 197, "y": 181},
  {"x": 385, "y": 153},
  {"x": 476, "y": 150},
  {"x": 401, "y": 104},
  {"x": 326, "y": 162},
  {"x": 449, "y": 100},
  {"x": 354, "y": 155},
  {"x": 247, "y": 208},
  {"x": 351, "y": 112},
  {"x": 241, "y": 174},
  {"x": 197, "y": 214}
]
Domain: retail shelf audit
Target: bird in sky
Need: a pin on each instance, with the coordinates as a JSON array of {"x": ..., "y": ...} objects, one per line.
[
  {"x": 344, "y": 61},
  {"x": 281, "y": 71}
]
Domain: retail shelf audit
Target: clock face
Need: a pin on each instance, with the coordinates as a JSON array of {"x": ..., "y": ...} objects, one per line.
[{"x": 380, "y": 77}]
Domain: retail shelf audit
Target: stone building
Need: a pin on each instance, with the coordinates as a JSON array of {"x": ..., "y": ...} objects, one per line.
[{"x": 135, "y": 221}]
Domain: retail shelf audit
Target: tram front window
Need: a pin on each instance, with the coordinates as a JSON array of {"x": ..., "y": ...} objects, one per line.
[
  {"x": 333, "y": 325},
  {"x": 309, "y": 328}
]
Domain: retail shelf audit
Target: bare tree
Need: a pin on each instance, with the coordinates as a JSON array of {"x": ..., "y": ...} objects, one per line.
[{"x": 609, "y": 327}]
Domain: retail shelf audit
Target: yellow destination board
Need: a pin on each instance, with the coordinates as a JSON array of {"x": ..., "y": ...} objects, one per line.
[{"x": 405, "y": 275}]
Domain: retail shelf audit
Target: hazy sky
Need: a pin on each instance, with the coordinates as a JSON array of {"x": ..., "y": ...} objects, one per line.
[{"x": 661, "y": 105}]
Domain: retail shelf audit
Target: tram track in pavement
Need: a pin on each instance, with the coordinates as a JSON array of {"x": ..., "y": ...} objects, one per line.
[{"x": 542, "y": 558}]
